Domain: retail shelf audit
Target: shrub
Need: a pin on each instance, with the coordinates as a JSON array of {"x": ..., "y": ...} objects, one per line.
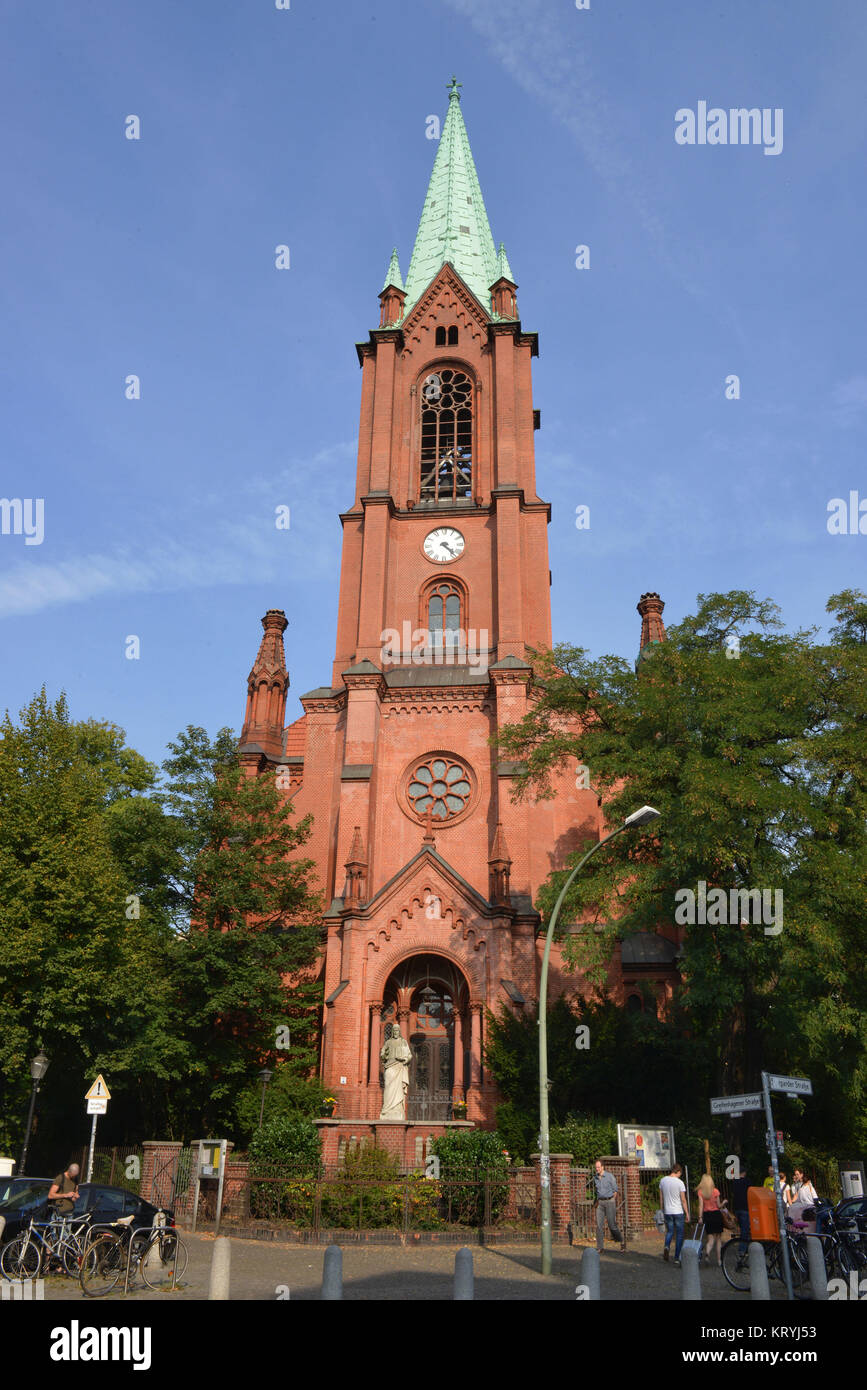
[
  {"x": 369, "y": 1194},
  {"x": 286, "y": 1148},
  {"x": 470, "y": 1161},
  {"x": 585, "y": 1137},
  {"x": 290, "y": 1141}
]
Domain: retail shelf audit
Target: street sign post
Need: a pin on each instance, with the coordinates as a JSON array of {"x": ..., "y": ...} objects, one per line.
[
  {"x": 793, "y": 1086},
  {"x": 97, "y": 1096},
  {"x": 736, "y": 1105}
]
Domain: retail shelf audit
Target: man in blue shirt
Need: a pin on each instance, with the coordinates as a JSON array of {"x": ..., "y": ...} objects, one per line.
[{"x": 606, "y": 1206}]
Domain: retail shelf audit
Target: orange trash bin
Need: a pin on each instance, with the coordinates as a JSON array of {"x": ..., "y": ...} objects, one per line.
[{"x": 762, "y": 1207}]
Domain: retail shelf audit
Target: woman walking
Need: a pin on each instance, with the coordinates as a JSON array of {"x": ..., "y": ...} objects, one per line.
[{"x": 710, "y": 1213}]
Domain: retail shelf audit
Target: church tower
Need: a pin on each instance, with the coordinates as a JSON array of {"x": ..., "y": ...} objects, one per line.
[{"x": 430, "y": 868}]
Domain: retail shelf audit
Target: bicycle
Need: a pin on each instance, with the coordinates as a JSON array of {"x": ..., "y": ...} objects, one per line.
[
  {"x": 156, "y": 1254},
  {"x": 32, "y": 1253},
  {"x": 736, "y": 1263}
]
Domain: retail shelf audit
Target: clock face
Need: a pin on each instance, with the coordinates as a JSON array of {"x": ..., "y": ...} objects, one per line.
[{"x": 444, "y": 545}]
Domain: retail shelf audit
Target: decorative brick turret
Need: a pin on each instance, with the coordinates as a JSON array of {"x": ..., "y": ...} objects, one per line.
[
  {"x": 650, "y": 607},
  {"x": 267, "y": 686},
  {"x": 355, "y": 892},
  {"x": 499, "y": 866}
]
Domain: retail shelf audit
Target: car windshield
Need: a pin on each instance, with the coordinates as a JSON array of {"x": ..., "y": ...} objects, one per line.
[{"x": 23, "y": 1195}]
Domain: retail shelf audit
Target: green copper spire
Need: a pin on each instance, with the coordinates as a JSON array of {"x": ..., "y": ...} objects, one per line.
[
  {"x": 393, "y": 275},
  {"x": 454, "y": 224},
  {"x": 504, "y": 270}
]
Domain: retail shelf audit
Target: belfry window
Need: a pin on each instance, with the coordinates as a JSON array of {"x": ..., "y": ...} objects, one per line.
[
  {"x": 453, "y": 335},
  {"x": 441, "y": 337},
  {"x": 446, "y": 436}
]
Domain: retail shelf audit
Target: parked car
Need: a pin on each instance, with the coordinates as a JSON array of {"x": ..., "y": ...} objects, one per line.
[
  {"x": 21, "y": 1198},
  {"x": 107, "y": 1204}
]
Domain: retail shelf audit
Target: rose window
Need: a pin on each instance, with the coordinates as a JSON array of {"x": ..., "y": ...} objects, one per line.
[{"x": 441, "y": 785}]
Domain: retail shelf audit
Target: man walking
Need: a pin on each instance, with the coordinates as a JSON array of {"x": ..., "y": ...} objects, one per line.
[
  {"x": 672, "y": 1194},
  {"x": 606, "y": 1206}
]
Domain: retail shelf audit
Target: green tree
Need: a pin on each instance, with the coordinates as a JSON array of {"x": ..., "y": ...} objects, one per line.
[
  {"x": 750, "y": 742},
  {"x": 245, "y": 954},
  {"x": 62, "y": 915}
]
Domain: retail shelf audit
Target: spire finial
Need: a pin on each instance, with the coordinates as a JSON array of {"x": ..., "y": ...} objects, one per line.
[{"x": 454, "y": 89}]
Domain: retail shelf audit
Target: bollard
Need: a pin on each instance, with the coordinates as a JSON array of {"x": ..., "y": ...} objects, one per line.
[
  {"x": 464, "y": 1275},
  {"x": 332, "y": 1274},
  {"x": 691, "y": 1288},
  {"x": 221, "y": 1261},
  {"x": 590, "y": 1274},
  {"x": 759, "y": 1290},
  {"x": 818, "y": 1272}
]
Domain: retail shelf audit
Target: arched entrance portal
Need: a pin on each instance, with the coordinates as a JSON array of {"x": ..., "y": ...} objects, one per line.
[{"x": 429, "y": 997}]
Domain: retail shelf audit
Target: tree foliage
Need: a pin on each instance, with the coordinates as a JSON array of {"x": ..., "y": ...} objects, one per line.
[{"x": 750, "y": 741}]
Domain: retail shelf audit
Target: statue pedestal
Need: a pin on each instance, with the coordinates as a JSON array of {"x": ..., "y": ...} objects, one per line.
[{"x": 406, "y": 1139}]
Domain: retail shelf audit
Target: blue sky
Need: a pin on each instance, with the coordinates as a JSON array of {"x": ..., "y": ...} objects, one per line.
[{"x": 307, "y": 127}]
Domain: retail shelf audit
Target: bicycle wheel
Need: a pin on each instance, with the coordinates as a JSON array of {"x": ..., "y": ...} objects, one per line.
[
  {"x": 736, "y": 1266},
  {"x": 102, "y": 1265},
  {"x": 165, "y": 1260},
  {"x": 22, "y": 1258},
  {"x": 72, "y": 1253}
]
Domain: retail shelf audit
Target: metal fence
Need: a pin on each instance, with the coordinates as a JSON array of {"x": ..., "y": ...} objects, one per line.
[
  {"x": 271, "y": 1199},
  {"x": 119, "y": 1166}
]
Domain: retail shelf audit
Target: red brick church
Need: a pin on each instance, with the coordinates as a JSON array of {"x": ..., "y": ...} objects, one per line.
[{"x": 430, "y": 869}]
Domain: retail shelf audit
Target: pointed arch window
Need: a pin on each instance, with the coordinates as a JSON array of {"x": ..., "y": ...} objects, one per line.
[{"x": 446, "y": 436}]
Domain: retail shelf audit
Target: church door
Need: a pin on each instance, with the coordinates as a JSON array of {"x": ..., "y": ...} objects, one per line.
[
  {"x": 431, "y": 1072},
  {"x": 430, "y": 1079}
]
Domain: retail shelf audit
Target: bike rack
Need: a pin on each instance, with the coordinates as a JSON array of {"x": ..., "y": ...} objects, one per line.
[{"x": 137, "y": 1231}]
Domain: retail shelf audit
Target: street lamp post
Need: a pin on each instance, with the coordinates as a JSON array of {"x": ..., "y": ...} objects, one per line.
[
  {"x": 38, "y": 1068},
  {"x": 640, "y": 817},
  {"x": 264, "y": 1076}
]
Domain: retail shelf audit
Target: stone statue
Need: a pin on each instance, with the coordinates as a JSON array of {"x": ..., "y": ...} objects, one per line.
[{"x": 395, "y": 1056}]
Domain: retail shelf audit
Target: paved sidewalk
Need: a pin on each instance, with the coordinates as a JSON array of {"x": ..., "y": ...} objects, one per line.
[{"x": 266, "y": 1270}]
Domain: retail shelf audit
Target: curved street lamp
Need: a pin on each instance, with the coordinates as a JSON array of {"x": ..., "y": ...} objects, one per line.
[
  {"x": 38, "y": 1068},
  {"x": 643, "y": 816}
]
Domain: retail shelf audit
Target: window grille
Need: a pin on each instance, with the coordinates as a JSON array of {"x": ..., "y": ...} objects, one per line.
[{"x": 446, "y": 436}]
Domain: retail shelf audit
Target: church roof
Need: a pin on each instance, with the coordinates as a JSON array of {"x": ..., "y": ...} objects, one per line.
[{"x": 454, "y": 225}]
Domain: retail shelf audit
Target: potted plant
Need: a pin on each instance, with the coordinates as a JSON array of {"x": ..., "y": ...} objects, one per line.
[
  {"x": 326, "y": 1109},
  {"x": 459, "y": 1110}
]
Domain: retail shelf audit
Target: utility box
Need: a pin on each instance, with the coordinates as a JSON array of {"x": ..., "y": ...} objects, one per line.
[
  {"x": 851, "y": 1178},
  {"x": 7, "y": 1167},
  {"x": 762, "y": 1206}
]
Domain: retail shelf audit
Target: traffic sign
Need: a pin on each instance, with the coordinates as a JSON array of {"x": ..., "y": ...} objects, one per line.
[
  {"x": 791, "y": 1085},
  {"x": 735, "y": 1105},
  {"x": 99, "y": 1090},
  {"x": 97, "y": 1106}
]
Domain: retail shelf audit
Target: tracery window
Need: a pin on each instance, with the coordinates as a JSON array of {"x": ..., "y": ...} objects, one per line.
[
  {"x": 446, "y": 435},
  {"x": 441, "y": 784}
]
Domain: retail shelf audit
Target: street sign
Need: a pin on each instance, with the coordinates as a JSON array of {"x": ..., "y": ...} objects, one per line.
[
  {"x": 95, "y": 1106},
  {"x": 735, "y": 1105},
  {"x": 99, "y": 1090},
  {"x": 790, "y": 1085}
]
